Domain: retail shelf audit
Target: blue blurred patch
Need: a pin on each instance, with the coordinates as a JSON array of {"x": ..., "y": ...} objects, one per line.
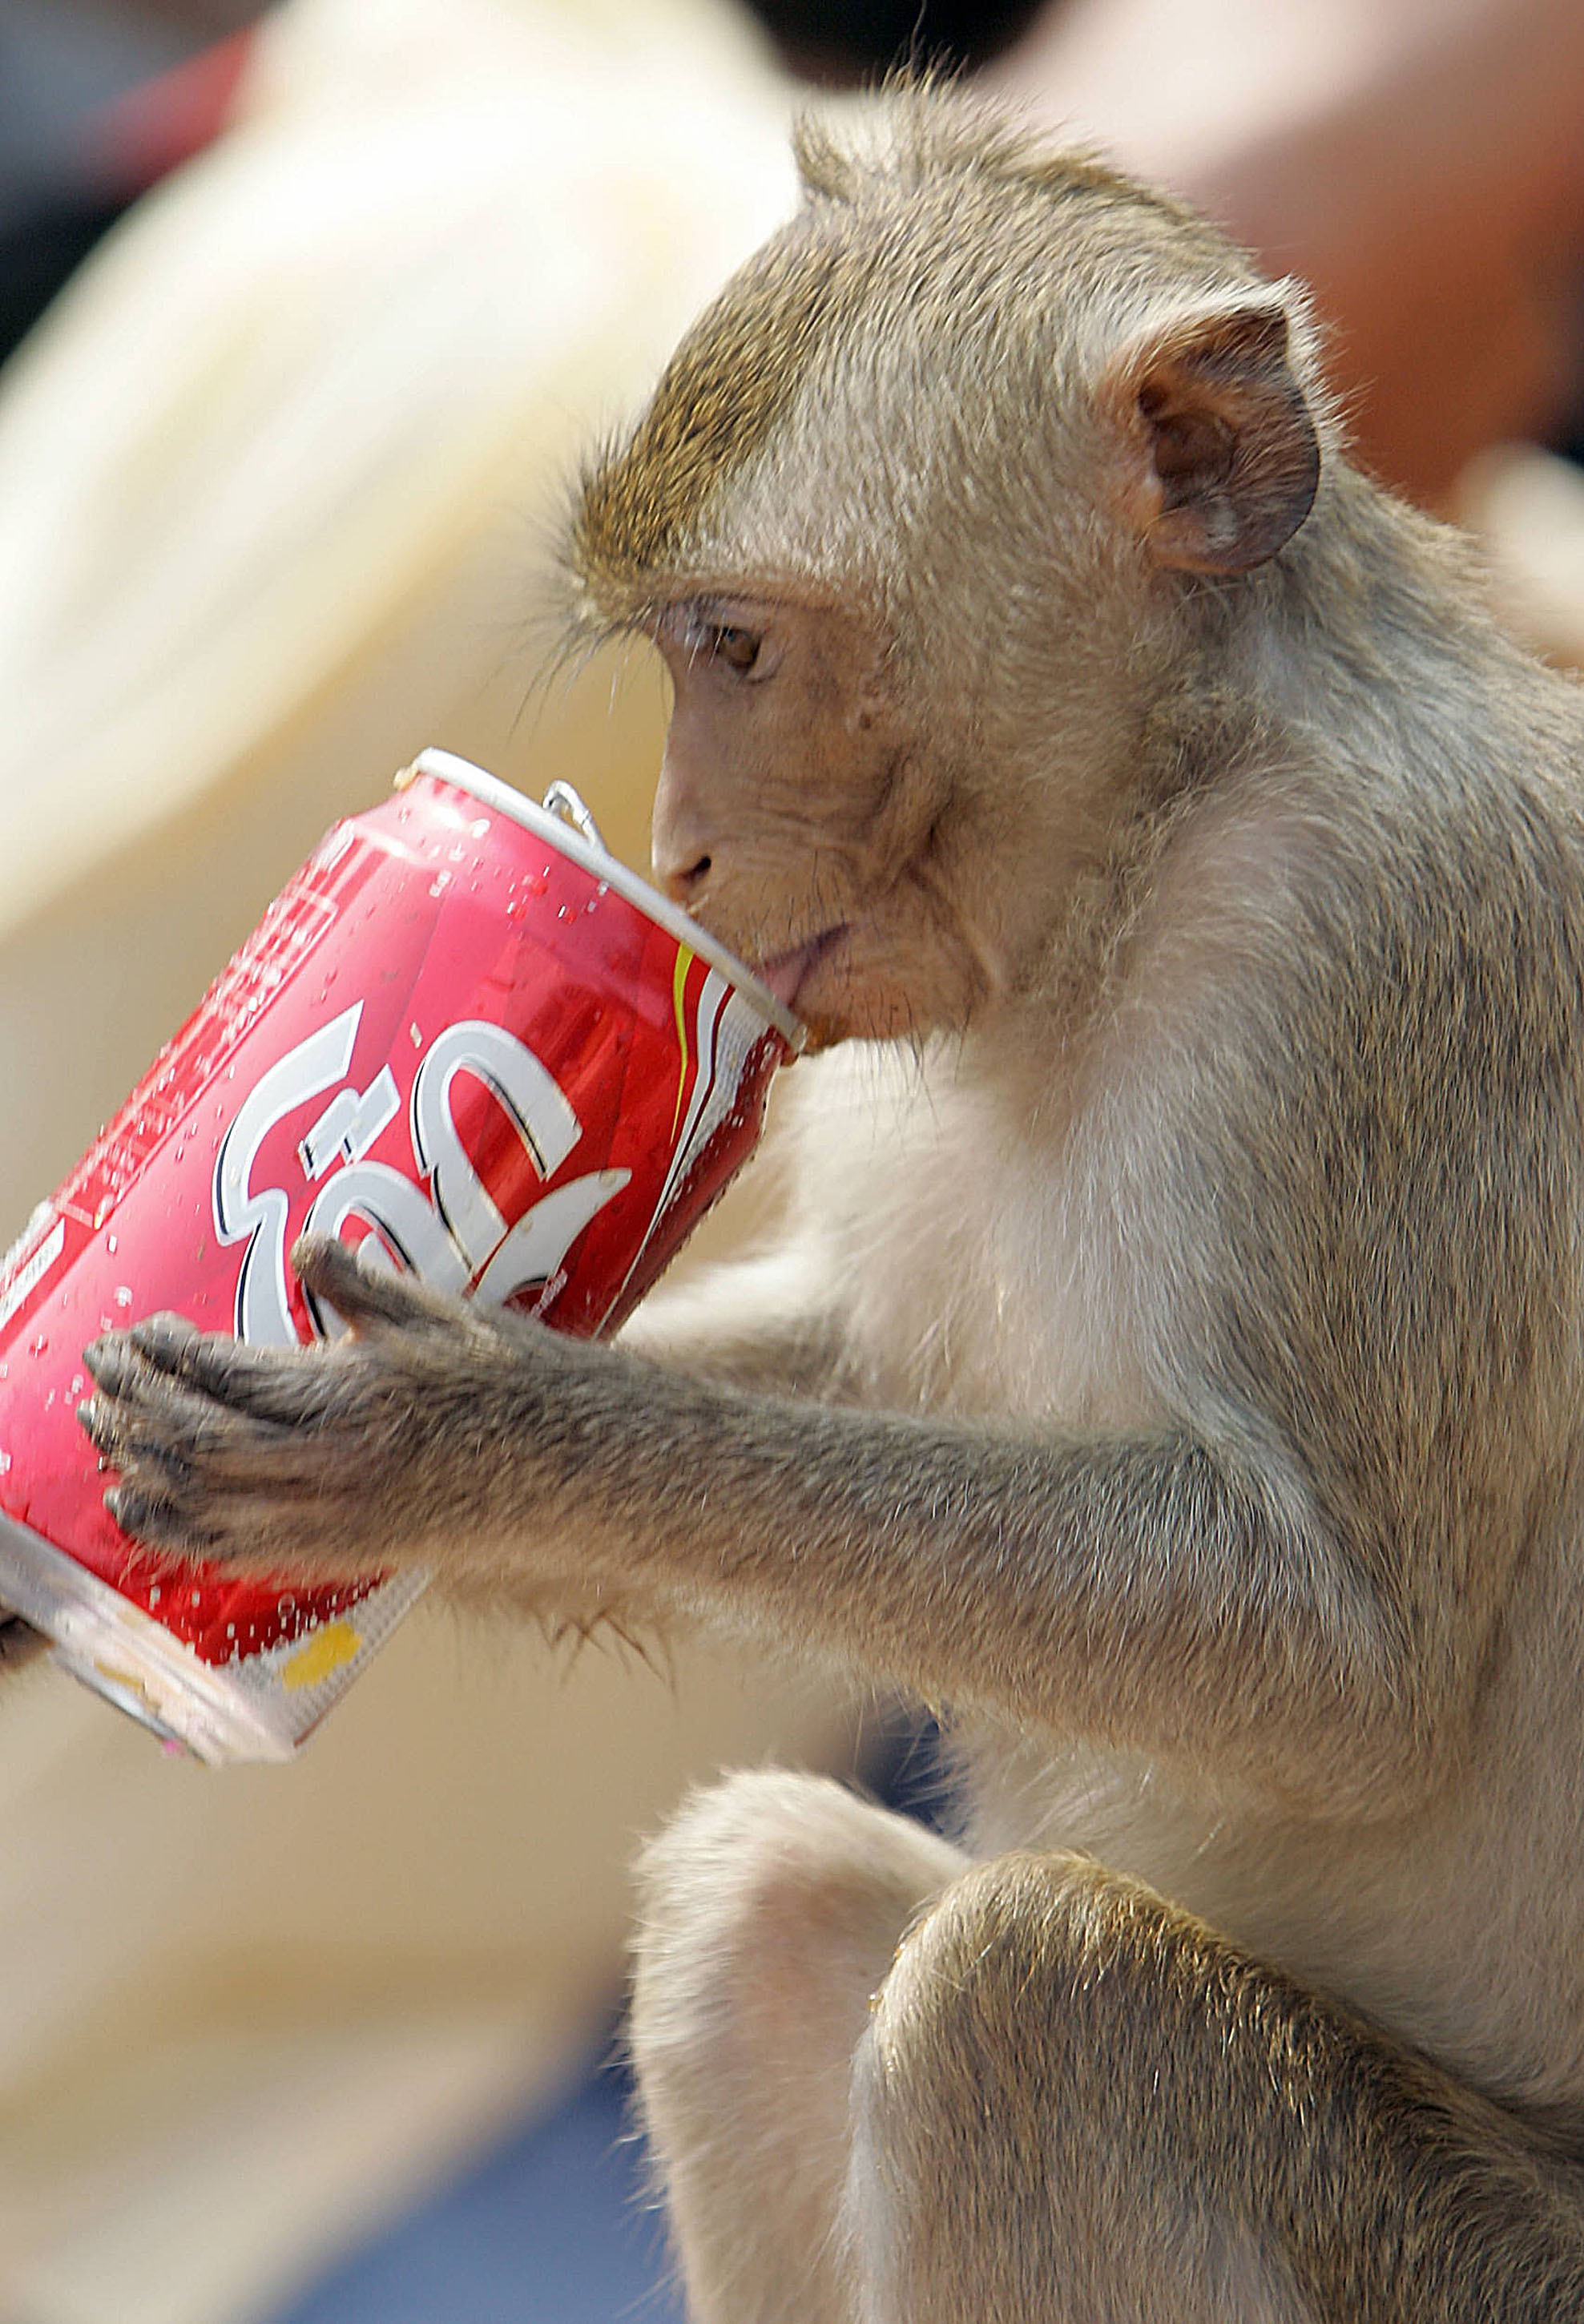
[
  {"x": 554, "y": 2228},
  {"x": 555, "y": 2225}
]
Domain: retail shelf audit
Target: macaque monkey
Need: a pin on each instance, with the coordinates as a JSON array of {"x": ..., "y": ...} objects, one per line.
[{"x": 1173, "y": 1364}]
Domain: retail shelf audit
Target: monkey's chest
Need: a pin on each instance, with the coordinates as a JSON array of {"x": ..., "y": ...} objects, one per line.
[{"x": 980, "y": 1282}]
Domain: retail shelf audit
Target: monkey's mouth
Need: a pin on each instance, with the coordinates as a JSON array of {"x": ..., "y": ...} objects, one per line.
[{"x": 787, "y": 972}]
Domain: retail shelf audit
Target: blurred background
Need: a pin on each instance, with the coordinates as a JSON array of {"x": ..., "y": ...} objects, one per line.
[{"x": 305, "y": 314}]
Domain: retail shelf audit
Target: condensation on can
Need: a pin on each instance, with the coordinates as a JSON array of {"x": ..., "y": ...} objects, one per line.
[{"x": 434, "y": 1040}]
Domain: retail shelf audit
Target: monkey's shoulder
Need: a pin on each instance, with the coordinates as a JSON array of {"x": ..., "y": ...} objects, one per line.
[{"x": 1403, "y": 950}]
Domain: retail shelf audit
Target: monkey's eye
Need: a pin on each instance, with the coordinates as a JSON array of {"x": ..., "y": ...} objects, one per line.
[
  {"x": 705, "y": 636},
  {"x": 737, "y": 647}
]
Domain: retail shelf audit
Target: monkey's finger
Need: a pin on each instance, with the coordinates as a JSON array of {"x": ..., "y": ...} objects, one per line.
[
  {"x": 123, "y": 1433},
  {"x": 246, "y": 1524},
  {"x": 361, "y": 1294},
  {"x": 162, "y": 1358},
  {"x": 118, "y": 1365},
  {"x": 166, "y": 1426},
  {"x": 162, "y": 1349},
  {"x": 170, "y": 1432},
  {"x": 241, "y": 1485},
  {"x": 149, "y": 1517},
  {"x": 173, "y": 1350},
  {"x": 99, "y": 1416},
  {"x": 171, "y": 1344}
]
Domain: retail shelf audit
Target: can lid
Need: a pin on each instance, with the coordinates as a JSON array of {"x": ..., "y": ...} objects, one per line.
[{"x": 580, "y": 839}]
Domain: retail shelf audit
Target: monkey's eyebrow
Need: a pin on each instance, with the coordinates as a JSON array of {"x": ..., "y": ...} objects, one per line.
[
  {"x": 703, "y": 612},
  {"x": 729, "y": 613}
]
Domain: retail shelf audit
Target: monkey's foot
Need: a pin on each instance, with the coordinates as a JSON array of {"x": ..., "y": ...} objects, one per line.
[{"x": 312, "y": 1460}]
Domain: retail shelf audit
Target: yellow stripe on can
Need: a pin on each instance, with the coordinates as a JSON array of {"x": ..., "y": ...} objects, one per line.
[{"x": 684, "y": 960}]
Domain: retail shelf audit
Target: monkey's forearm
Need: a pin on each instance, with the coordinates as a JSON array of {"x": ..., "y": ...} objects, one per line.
[
  {"x": 1149, "y": 1590},
  {"x": 1142, "y": 1590}
]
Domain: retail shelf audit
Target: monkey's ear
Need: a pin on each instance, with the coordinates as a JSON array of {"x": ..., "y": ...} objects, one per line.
[{"x": 1220, "y": 460}]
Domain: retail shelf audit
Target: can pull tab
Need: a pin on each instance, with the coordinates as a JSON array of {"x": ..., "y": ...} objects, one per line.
[{"x": 561, "y": 799}]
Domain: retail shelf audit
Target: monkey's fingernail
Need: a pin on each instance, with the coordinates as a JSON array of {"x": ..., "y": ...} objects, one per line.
[
  {"x": 162, "y": 1337},
  {"x": 105, "y": 1359}
]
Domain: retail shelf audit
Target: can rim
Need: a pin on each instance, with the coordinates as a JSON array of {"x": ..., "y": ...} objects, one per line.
[{"x": 447, "y": 767}]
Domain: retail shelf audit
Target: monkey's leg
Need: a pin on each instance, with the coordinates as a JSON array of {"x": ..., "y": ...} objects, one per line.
[
  {"x": 771, "y": 1910},
  {"x": 1074, "y": 2104}
]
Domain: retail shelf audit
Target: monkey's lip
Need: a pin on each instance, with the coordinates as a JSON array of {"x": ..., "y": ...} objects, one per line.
[{"x": 787, "y": 972}]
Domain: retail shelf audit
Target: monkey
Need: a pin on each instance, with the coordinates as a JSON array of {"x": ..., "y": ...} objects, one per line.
[{"x": 1171, "y": 1365}]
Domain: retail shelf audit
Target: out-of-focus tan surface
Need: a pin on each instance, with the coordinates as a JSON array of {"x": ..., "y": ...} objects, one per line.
[
  {"x": 247, "y": 2014},
  {"x": 273, "y": 481},
  {"x": 277, "y": 476}
]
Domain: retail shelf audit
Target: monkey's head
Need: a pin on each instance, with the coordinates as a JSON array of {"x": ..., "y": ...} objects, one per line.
[{"x": 925, "y": 516}]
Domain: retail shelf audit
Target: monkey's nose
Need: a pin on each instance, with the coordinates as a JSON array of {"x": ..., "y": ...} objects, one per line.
[{"x": 685, "y": 887}]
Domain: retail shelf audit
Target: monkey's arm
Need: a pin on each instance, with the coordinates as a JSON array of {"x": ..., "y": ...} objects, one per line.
[
  {"x": 762, "y": 1324},
  {"x": 1151, "y": 1589}
]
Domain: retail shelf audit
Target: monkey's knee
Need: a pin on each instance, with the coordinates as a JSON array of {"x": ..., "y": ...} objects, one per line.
[
  {"x": 769, "y": 1909},
  {"x": 1030, "y": 2119}
]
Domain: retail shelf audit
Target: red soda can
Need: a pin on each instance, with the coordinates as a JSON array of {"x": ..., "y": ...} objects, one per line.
[{"x": 463, "y": 1033}]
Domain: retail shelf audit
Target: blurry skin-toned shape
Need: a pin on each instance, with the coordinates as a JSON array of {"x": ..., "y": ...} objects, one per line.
[{"x": 1419, "y": 163}]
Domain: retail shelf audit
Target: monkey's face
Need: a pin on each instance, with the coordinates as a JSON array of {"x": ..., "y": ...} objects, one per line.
[
  {"x": 916, "y": 515},
  {"x": 796, "y": 815}
]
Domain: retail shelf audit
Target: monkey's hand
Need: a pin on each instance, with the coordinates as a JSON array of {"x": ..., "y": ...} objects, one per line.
[
  {"x": 20, "y": 1642},
  {"x": 325, "y": 1460}
]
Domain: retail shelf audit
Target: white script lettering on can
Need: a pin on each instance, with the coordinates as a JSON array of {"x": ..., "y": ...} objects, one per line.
[{"x": 448, "y": 1235}]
